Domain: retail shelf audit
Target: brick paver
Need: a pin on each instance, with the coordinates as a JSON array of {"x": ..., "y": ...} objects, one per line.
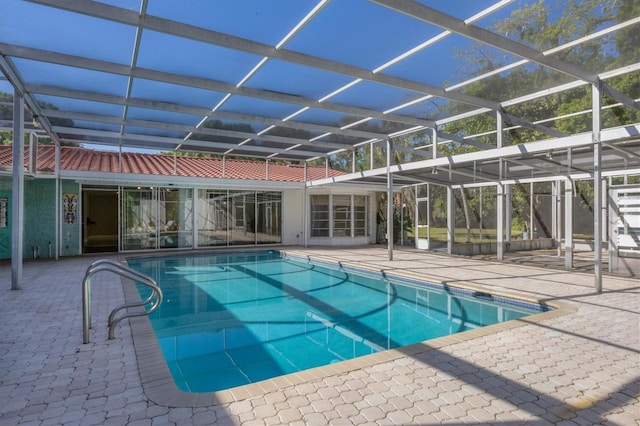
[{"x": 579, "y": 368}]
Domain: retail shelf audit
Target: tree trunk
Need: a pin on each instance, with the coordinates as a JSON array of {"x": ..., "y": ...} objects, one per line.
[{"x": 467, "y": 213}]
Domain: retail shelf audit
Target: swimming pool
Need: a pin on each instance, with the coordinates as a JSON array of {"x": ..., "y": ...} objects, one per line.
[{"x": 238, "y": 318}]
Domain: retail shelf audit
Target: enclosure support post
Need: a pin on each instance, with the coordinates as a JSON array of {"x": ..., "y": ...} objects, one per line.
[
  {"x": 530, "y": 225},
  {"x": 568, "y": 223},
  {"x": 371, "y": 149},
  {"x": 428, "y": 215},
  {"x": 389, "y": 202},
  {"x": 416, "y": 211},
  {"x": 612, "y": 205},
  {"x": 451, "y": 220},
  {"x": 555, "y": 214},
  {"x": 508, "y": 213},
  {"x": 596, "y": 97},
  {"x": 603, "y": 212},
  {"x": 17, "y": 190},
  {"x": 434, "y": 143},
  {"x": 500, "y": 222},
  {"x": 500, "y": 208},
  {"x": 306, "y": 223},
  {"x": 58, "y": 210},
  {"x": 353, "y": 161}
]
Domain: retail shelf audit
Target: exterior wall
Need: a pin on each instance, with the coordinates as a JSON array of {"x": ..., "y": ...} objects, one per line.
[
  {"x": 40, "y": 212},
  {"x": 5, "y": 231},
  {"x": 293, "y": 217},
  {"x": 39, "y": 218}
]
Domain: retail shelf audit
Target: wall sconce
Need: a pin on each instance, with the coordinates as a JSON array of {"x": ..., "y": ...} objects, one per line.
[
  {"x": 34, "y": 121},
  {"x": 434, "y": 171}
]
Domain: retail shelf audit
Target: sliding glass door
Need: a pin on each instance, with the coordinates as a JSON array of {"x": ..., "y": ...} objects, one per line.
[
  {"x": 175, "y": 218},
  {"x": 152, "y": 218},
  {"x": 138, "y": 217},
  {"x": 231, "y": 217},
  {"x": 268, "y": 217}
]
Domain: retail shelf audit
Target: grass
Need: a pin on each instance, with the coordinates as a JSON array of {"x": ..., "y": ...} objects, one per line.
[
  {"x": 460, "y": 234},
  {"x": 488, "y": 235}
]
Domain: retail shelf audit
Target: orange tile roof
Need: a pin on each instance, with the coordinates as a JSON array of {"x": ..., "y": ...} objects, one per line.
[{"x": 82, "y": 159}]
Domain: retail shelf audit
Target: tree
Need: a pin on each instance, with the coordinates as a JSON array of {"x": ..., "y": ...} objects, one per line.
[{"x": 534, "y": 26}]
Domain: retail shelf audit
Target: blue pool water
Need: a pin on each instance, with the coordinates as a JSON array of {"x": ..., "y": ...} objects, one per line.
[{"x": 232, "y": 319}]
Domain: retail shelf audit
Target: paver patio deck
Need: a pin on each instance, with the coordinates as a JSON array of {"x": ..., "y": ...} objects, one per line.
[{"x": 581, "y": 367}]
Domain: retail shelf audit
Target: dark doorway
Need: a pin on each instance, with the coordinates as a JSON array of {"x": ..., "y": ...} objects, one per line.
[{"x": 100, "y": 220}]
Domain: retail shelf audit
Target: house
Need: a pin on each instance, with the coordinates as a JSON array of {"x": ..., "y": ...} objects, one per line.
[{"x": 107, "y": 201}]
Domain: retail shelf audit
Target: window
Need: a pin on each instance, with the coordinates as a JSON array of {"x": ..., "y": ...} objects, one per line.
[
  {"x": 344, "y": 215},
  {"x": 319, "y": 215},
  {"x": 361, "y": 222}
]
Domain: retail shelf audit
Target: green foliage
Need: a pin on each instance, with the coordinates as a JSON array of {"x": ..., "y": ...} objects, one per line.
[{"x": 534, "y": 26}]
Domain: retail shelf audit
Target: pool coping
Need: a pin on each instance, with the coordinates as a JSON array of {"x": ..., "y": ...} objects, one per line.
[{"x": 159, "y": 386}]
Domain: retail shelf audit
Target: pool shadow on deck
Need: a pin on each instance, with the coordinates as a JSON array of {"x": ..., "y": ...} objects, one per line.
[{"x": 545, "y": 407}]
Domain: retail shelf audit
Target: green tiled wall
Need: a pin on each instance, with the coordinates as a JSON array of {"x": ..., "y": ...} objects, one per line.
[
  {"x": 5, "y": 231},
  {"x": 39, "y": 217},
  {"x": 39, "y": 221}
]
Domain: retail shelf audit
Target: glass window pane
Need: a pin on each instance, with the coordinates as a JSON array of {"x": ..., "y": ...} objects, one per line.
[
  {"x": 319, "y": 215},
  {"x": 138, "y": 218},
  {"x": 342, "y": 215},
  {"x": 241, "y": 219},
  {"x": 212, "y": 219},
  {"x": 361, "y": 216},
  {"x": 269, "y": 217},
  {"x": 175, "y": 218}
]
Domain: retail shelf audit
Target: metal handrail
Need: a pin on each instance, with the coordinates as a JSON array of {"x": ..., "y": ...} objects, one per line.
[{"x": 120, "y": 269}]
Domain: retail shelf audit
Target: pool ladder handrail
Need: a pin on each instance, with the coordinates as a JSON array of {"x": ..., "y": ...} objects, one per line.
[{"x": 124, "y": 271}]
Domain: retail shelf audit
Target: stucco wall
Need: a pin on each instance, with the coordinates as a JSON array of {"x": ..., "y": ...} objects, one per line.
[{"x": 292, "y": 217}]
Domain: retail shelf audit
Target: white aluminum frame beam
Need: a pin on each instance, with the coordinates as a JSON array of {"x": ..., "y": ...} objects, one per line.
[
  {"x": 390, "y": 236},
  {"x": 193, "y": 110},
  {"x": 577, "y": 140},
  {"x": 448, "y": 22},
  {"x": 207, "y": 130},
  {"x": 200, "y": 131},
  {"x": 167, "y": 26},
  {"x": 19, "y": 87},
  {"x": 226, "y": 40},
  {"x": 172, "y": 142},
  {"x": 596, "y": 99},
  {"x": 201, "y": 83},
  {"x": 463, "y": 27},
  {"x": 17, "y": 191}
]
